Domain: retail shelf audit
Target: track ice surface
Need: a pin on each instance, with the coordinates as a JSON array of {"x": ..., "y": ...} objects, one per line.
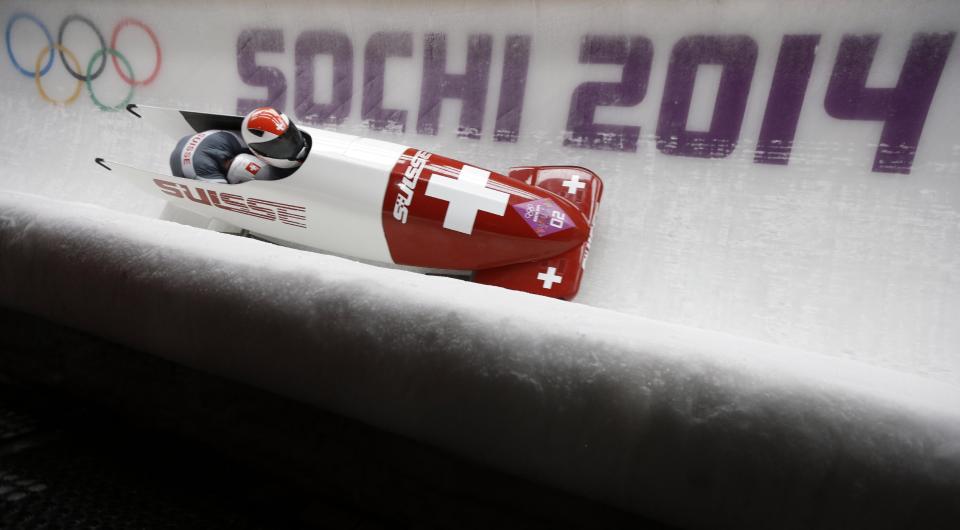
[
  {"x": 669, "y": 247},
  {"x": 822, "y": 256}
]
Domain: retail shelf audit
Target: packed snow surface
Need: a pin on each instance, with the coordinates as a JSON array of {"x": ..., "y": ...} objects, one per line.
[{"x": 690, "y": 426}]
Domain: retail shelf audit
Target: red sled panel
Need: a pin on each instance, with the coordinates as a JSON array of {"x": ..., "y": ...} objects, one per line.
[
  {"x": 558, "y": 276},
  {"x": 440, "y": 213}
]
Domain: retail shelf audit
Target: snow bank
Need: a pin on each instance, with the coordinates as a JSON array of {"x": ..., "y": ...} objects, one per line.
[{"x": 692, "y": 427}]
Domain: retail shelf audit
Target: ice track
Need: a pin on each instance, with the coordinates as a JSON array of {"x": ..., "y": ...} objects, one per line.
[{"x": 840, "y": 282}]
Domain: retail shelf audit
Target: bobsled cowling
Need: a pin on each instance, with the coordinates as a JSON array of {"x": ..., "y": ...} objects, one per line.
[{"x": 385, "y": 202}]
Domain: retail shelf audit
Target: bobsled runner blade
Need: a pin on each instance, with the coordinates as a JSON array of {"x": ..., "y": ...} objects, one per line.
[
  {"x": 111, "y": 165},
  {"x": 178, "y": 123}
]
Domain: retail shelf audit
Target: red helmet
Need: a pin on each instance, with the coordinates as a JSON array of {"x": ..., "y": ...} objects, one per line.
[{"x": 271, "y": 135}]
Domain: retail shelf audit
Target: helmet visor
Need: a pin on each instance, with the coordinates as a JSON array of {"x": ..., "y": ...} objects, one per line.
[{"x": 285, "y": 147}]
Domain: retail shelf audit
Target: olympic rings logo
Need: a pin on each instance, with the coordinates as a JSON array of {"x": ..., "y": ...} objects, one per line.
[{"x": 74, "y": 67}]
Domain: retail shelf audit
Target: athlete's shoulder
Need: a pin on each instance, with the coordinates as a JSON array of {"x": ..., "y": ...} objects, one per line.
[{"x": 204, "y": 154}]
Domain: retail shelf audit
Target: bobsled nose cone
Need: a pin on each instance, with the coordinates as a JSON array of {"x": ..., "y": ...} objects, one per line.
[
  {"x": 536, "y": 223},
  {"x": 581, "y": 231},
  {"x": 442, "y": 213}
]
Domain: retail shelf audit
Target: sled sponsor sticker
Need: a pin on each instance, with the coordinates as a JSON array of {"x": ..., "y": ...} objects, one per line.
[
  {"x": 544, "y": 216},
  {"x": 410, "y": 178},
  {"x": 288, "y": 214}
]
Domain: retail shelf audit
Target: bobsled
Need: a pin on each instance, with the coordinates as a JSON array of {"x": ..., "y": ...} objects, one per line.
[{"x": 372, "y": 200}]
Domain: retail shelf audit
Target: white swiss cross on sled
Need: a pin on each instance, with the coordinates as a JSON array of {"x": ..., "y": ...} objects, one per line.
[
  {"x": 467, "y": 195},
  {"x": 574, "y": 184},
  {"x": 550, "y": 277}
]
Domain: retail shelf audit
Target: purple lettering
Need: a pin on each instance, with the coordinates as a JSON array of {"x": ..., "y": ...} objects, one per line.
[
  {"x": 635, "y": 54},
  {"x": 249, "y": 43},
  {"x": 469, "y": 87},
  {"x": 737, "y": 55},
  {"x": 903, "y": 108},
  {"x": 789, "y": 86},
  {"x": 380, "y": 46},
  {"x": 309, "y": 45},
  {"x": 516, "y": 61}
]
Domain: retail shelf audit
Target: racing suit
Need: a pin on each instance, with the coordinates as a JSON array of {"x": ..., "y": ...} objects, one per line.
[{"x": 209, "y": 156}]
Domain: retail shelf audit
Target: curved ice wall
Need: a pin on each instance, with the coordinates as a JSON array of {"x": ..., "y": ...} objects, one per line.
[{"x": 786, "y": 171}]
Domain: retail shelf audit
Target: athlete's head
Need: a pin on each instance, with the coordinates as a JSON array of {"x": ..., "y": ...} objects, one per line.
[{"x": 271, "y": 135}]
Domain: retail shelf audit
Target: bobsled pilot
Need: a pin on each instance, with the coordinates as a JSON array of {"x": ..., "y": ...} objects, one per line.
[{"x": 268, "y": 147}]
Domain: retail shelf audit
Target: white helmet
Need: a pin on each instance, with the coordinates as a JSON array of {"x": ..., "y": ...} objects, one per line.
[{"x": 273, "y": 137}]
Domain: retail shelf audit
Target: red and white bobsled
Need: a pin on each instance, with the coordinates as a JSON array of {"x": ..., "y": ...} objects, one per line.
[{"x": 528, "y": 230}]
